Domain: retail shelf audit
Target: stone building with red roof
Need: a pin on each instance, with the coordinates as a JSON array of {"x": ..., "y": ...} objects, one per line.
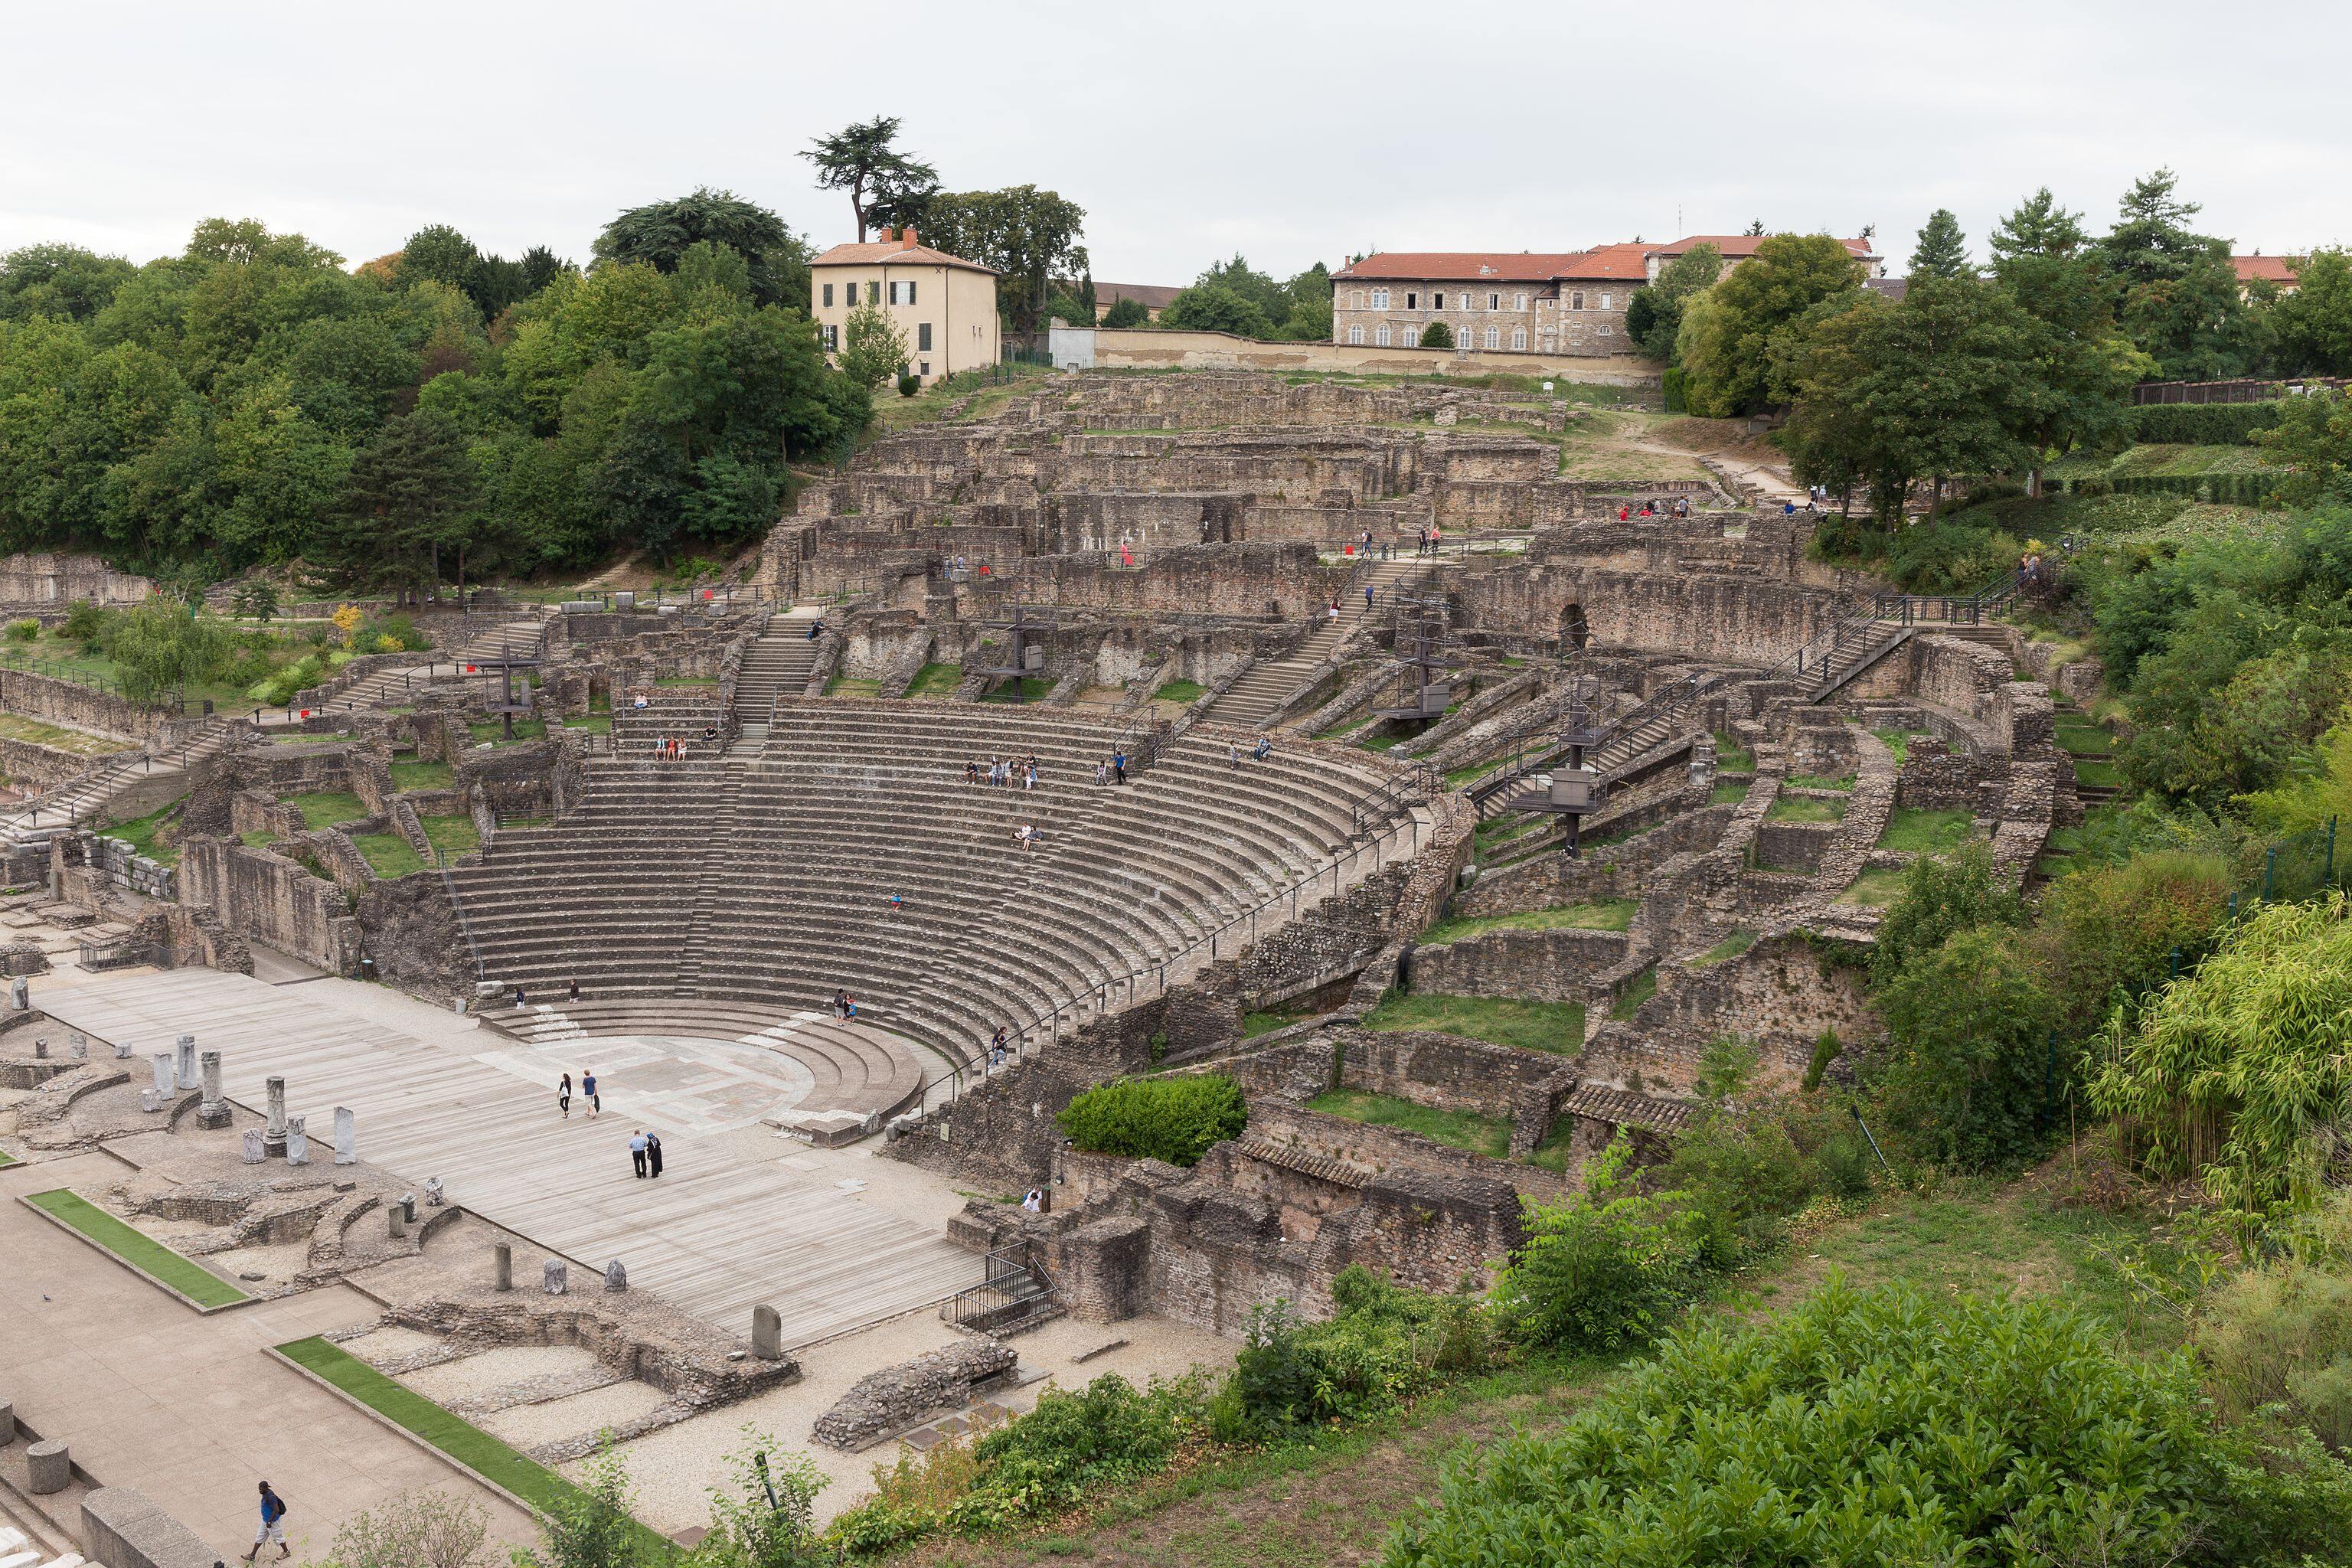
[{"x": 1568, "y": 302}]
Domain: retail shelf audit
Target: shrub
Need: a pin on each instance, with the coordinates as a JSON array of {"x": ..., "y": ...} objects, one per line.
[
  {"x": 85, "y": 622},
  {"x": 1600, "y": 1269},
  {"x": 1971, "y": 1076},
  {"x": 2240, "y": 1070},
  {"x": 1884, "y": 1426},
  {"x": 1171, "y": 1119},
  {"x": 2202, "y": 425},
  {"x": 1942, "y": 895},
  {"x": 2280, "y": 1333},
  {"x": 25, "y": 631}
]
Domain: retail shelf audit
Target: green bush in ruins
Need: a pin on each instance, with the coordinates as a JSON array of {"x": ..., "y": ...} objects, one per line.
[{"x": 1171, "y": 1119}]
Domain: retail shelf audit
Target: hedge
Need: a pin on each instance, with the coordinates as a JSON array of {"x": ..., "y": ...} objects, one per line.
[
  {"x": 2202, "y": 423},
  {"x": 1171, "y": 1119}
]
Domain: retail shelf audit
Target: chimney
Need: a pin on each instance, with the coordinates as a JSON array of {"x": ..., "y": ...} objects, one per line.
[{"x": 906, "y": 239}]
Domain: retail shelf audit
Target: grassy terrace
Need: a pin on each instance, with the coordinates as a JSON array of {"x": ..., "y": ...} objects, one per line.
[
  {"x": 1804, "y": 808},
  {"x": 1610, "y": 914},
  {"x": 142, "y": 1252},
  {"x": 468, "y": 1445},
  {"x": 1555, "y": 1026},
  {"x": 1919, "y": 831},
  {"x": 1461, "y": 1129}
]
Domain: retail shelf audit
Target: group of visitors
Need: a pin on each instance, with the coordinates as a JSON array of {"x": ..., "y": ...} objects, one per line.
[{"x": 1003, "y": 772}]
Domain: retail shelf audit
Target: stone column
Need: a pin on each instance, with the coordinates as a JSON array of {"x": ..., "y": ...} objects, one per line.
[
  {"x": 273, "y": 1137},
  {"x": 254, "y": 1151},
  {"x": 186, "y": 1049},
  {"x": 766, "y": 1334},
  {"x": 502, "y": 1267},
  {"x": 346, "y": 1142},
  {"x": 298, "y": 1141},
  {"x": 160, "y": 1099},
  {"x": 553, "y": 1277},
  {"x": 48, "y": 1468},
  {"x": 212, "y": 1110}
]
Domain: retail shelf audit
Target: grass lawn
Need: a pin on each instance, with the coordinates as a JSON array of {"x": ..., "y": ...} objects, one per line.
[
  {"x": 1875, "y": 888},
  {"x": 1610, "y": 914},
  {"x": 142, "y": 1252},
  {"x": 57, "y": 738},
  {"x": 423, "y": 775},
  {"x": 454, "y": 834},
  {"x": 2099, "y": 775},
  {"x": 1643, "y": 986},
  {"x": 1732, "y": 946},
  {"x": 1814, "y": 780},
  {"x": 2084, "y": 739},
  {"x": 1919, "y": 831},
  {"x": 1731, "y": 756},
  {"x": 141, "y": 830},
  {"x": 468, "y": 1445},
  {"x": 1461, "y": 1129},
  {"x": 936, "y": 681},
  {"x": 1556, "y": 1027},
  {"x": 1804, "y": 808},
  {"x": 388, "y": 853},
  {"x": 1181, "y": 690},
  {"x": 327, "y": 808}
]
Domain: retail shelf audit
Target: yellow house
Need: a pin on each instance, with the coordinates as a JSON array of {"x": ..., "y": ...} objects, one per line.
[{"x": 945, "y": 305}]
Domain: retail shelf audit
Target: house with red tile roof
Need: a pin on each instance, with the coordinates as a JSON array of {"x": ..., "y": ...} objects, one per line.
[{"x": 1550, "y": 302}]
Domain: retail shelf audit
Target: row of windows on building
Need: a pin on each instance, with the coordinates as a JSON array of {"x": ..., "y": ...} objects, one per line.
[
  {"x": 900, "y": 293},
  {"x": 1467, "y": 300},
  {"x": 832, "y": 336},
  {"x": 1384, "y": 336}
]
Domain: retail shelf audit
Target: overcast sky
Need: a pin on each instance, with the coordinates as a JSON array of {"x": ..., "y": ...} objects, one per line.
[{"x": 1290, "y": 133}]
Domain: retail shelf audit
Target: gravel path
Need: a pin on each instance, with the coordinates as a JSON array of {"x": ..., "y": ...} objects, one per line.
[{"x": 493, "y": 1369}]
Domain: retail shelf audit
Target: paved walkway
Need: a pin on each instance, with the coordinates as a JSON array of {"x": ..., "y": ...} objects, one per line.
[
  {"x": 735, "y": 1220},
  {"x": 185, "y": 1408}
]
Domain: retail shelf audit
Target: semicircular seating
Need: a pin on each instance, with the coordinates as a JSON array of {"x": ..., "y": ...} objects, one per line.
[{"x": 722, "y": 896}]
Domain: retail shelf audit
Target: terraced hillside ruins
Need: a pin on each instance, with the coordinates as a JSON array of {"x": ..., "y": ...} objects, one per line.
[{"x": 1303, "y": 785}]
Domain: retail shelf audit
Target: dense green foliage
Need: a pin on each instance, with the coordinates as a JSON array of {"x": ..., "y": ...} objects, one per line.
[
  {"x": 1884, "y": 1427},
  {"x": 2240, "y": 1071},
  {"x": 1171, "y": 1119},
  {"x": 249, "y": 400}
]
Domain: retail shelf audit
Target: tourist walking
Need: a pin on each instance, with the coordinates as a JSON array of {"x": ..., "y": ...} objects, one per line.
[
  {"x": 653, "y": 1154},
  {"x": 563, "y": 1097},
  {"x": 588, "y": 1093},
  {"x": 273, "y": 1525}
]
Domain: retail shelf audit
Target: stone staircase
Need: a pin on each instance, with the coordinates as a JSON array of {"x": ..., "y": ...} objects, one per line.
[
  {"x": 777, "y": 664},
  {"x": 1265, "y": 687}
]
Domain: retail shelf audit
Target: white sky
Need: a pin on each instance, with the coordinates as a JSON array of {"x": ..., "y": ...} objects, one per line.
[{"x": 1187, "y": 131}]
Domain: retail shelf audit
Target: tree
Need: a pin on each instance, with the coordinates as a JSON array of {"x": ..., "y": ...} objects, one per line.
[
  {"x": 2312, "y": 326},
  {"x": 1943, "y": 250},
  {"x": 1945, "y": 383},
  {"x": 1654, "y": 316},
  {"x": 1027, "y": 237},
  {"x": 405, "y": 502},
  {"x": 1216, "y": 310},
  {"x": 1728, "y": 348},
  {"x": 2043, "y": 257},
  {"x": 2175, "y": 291},
  {"x": 1436, "y": 335},
  {"x": 885, "y": 186},
  {"x": 873, "y": 347},
  {"x": 660, "y": 235},
  {"x": 1127, "y": 313}
]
